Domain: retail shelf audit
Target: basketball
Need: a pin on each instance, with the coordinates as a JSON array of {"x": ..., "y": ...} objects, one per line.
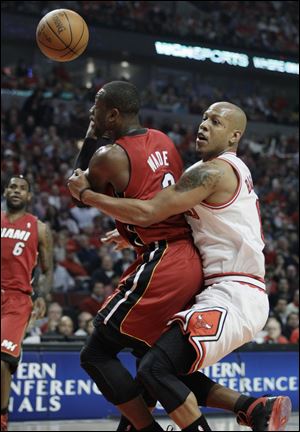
[{"x": 62, "y": 35}]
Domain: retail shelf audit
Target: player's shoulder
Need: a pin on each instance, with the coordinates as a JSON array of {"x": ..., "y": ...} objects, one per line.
[{"x": 108, "y": 152}]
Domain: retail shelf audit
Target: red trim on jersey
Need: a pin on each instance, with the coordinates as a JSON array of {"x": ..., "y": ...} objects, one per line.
[
  {"x": 234, "y": 274},
  {"x": 236, "y": 192},
  {"x": 251, "y": 286}
]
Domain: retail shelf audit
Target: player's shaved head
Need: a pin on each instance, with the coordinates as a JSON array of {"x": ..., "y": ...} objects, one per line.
[{"x": 235, "y": 115}]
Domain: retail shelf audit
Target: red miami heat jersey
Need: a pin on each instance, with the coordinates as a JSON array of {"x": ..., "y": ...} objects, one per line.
[
  {"x": 154, "y": 165},
  {"x": 19, "y": 250}
]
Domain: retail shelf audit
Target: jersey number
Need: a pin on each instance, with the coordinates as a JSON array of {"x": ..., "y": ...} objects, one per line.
[
  {"x": 18, "y": 249},
  {"x": 168, "y": 180}
]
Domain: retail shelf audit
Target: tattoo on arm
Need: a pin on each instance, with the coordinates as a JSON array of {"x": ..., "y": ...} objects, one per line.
[{"x": 206, "y": 175}]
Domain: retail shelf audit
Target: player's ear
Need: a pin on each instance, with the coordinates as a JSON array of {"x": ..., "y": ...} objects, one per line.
[
  {"x": 29, "y": 197},
  {"x": 235, "y": 137},
  {"x": 113, "y": 115},
  {"x": 5, "y": 193}
]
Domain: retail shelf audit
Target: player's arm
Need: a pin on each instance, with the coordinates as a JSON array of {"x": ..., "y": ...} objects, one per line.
[
  {"x": 194, "y": 186},
  {"x": 45, "y": 248},
  {"x": 109, "y": 166}
]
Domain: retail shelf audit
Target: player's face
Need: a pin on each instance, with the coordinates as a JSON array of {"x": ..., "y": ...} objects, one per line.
[
  {"x": 213, "y": 134},
  {"x": 104, "y": 118},
  {"x": 17, "y": 194}
]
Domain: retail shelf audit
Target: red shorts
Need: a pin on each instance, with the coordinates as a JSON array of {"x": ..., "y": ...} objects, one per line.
[
  {"x": 158, "y": 284},
  {"x": 16, "y": 308}
]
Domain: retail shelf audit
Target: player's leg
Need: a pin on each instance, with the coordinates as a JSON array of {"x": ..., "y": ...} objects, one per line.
[
  {"x": 5, "y": 390},
  {"x": 99, "y": 360},
  {"x": 16, "y": 310},
  {"x": 171, "y": 356}
]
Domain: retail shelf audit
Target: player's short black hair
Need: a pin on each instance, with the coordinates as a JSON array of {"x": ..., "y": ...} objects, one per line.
[
  {"x": 122, "y": 95},
  {"x": 20, "y": 176}
]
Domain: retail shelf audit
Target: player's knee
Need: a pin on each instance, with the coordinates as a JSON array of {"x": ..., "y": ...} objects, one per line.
[
  {"x": 86, "y": 357},
  {"x": 9, "y": 363},
  {"x": 152, "y": 370}
]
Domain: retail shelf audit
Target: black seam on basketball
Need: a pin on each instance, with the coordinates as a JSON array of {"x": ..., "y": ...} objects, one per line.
[
  {"x": 70, "y": 29},
  {"x": 63, "y": 42},
  {"x": 53, "y": 49},
  {"x": 78, "y": 50},
  {"x": 83, "y": 26}
]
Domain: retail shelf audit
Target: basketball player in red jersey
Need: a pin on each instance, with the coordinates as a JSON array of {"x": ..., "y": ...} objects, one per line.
[
  {"x": 24, "y": 239},
  {"x": 139, "y": 164}
]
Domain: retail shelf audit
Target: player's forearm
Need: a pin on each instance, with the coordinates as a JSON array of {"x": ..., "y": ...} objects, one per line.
[
  {"x": 132, "y": 211},
  {"x": 88, "y": 148}
]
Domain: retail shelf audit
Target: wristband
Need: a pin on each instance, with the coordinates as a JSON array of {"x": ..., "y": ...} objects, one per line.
[{"x": 81, "y": 192}]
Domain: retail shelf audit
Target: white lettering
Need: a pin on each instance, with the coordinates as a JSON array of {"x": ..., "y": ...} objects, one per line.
[
  {"x": 245, "y": 384},
  {"x": 39, "y": 404},
  {"x": 84, "y": 387},
  {"x": 25, "y": 405},
  {"x": 70, "y": 387},
  {"x": 56, "y": 387},
  {"x": 158, "y": 159},
  {"x": 280, "y": 385},
  {"x": 28, "y": 386},
  {"x": 41, "y": 387},
  {"x": 55, "y": 404},
  {"x": 165, "y": 156},
  {"x": 36, "y": 370},
  {"x": 9, "y": 345},
  {"x": 151, "y": 164}
]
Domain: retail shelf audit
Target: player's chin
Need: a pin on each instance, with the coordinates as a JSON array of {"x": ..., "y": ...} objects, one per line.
[{"x": 16, "y": 205}]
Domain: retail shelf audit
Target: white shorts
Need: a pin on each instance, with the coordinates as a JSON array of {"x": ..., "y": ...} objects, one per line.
[{"x": 225, "y": 316}]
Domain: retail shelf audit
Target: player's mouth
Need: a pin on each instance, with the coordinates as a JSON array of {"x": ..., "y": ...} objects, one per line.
[{"x": 201, "y": 137}]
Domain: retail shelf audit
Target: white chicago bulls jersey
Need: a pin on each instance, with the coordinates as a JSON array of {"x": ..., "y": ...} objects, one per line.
[{"x": 229, "y": 236}]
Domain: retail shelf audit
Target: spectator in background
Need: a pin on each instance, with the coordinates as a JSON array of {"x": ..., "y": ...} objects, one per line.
[
  {"x": 292, "y": 323},
  {"x": 62, "y": 280},
  {"x": 84, "y": 216},
  {"x": 293, "y": 279},
  {"x": 283, "y": 290},
  {"x": 125, "y": 261},
  {"x": 93, "y": 303},
  {"x": 106, "y": 273},
  {"x": 90, "y": 327},
  {"x": 280, "y": 311},
  {"x": 83, "y": 319},
  {"x": 274, "y": 335},
  {"x": 66, "y": 326},
  {"x": 72, "y": 263},
  {"x": 294, "y": 305},
  {"x": 54, "y": 314},
  {"x": 66, "y": 221},
  {"x": 87, "y": 255}
]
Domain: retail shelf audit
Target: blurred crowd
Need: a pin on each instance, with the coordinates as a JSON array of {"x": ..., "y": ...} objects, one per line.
[
  {"x": 40, "y": 139},
  {"x": 265, "y": 26},
  {"x": 174, "y": 93}
]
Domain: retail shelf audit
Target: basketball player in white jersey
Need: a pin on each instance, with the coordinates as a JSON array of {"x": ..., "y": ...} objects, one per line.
[{"x": 233, "y": 306}]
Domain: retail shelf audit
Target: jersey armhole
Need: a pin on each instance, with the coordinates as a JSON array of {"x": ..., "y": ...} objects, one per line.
[{"x": 235, "y": 194}]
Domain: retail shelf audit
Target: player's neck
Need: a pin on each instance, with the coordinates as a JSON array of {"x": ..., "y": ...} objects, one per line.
[
  {"x": 128, "y": 128},
  {"x": 13, "y": 215}
]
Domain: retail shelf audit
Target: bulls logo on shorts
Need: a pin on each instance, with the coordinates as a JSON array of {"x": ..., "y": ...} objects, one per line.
[{"x": 202, "y": 325}]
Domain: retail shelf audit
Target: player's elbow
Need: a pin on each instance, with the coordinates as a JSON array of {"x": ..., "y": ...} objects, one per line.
[{"x": 146, "y": 217}]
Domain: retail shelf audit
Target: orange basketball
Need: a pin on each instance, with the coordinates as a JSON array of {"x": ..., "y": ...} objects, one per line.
[{"x": 62, "y": 35}]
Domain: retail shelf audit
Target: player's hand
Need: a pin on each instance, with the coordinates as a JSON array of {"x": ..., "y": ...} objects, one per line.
[
  {"x": 39, "y": 309},
  {"x": 91, "y": 129},
  {"x": 115, "y": 237},
  {"x": 77, "y": 182}
]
